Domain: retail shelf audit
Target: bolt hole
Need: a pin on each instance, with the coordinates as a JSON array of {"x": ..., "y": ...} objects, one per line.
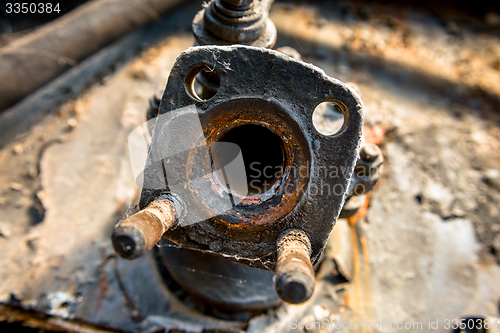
[
  {"x": 328, "y": 118},
  {"x": 202, "y": 82}
]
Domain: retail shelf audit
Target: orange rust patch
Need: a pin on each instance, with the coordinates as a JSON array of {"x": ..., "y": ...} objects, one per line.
[
  {"x": 375, "y": 134},
  {"x": 362, "y": 211}
]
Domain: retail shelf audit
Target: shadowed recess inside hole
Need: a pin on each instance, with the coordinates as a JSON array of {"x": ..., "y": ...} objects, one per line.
[
  {"x": 206, "y": 84},
  {"x": 263, "y": 157}
]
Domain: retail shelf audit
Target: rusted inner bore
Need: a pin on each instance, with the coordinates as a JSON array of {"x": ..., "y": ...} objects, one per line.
[{"x": 276, "y": 157}]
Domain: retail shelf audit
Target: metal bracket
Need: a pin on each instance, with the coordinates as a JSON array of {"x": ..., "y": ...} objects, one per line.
[{"x": 269, "y": 89}]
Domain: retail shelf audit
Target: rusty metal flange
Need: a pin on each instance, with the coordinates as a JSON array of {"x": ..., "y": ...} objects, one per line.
[{"x": 266, "y": 88}]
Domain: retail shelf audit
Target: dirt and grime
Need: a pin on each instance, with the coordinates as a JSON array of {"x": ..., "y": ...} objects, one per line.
[{"x": 431, "y": 246}]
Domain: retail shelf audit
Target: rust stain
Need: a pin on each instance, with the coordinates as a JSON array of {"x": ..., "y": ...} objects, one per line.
[
  {"x": 375, "y": 134},
  {"x": 103, "y": 281},
  {"x": 362, "y": 296},
  {"x": 356, "y": 283},
  {"x": 251, "y": 200},
  {"x": 362, "y": 211},
  {"x": 366, "y": 279}
]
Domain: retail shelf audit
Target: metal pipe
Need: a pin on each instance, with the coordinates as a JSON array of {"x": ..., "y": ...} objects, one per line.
[{"x": 31, "y": 61}]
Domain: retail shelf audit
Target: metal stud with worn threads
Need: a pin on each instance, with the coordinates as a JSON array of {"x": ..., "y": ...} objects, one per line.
[
  {"x": 137, "y": 234},
  {"x": 369, "y": 152},
  {"x": 226, "y": 22},
  {"x": 239, "y": 4},
  {"x": 294, "y": 272}
]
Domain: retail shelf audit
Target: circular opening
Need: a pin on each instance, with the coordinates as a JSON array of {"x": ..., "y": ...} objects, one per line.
[
  {"x": 263, "y": 157},
  {"x": 203, "y": 82},
  {"x": 328, "y": 118}
]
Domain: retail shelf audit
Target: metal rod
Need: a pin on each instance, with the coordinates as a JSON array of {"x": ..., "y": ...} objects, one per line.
[
  {"x": 294, "y": 272},
  {"x": 137, "y": 234}
]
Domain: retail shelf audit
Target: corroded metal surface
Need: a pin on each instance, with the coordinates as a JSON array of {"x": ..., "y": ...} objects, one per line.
[
  {"x": 294, "y": 273},
  {"x": 224, "y": 284},
  {"x": 266, "y": 88},
  {"x": 137, "y": 234},
  {"x": 367, "y": 172}
]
